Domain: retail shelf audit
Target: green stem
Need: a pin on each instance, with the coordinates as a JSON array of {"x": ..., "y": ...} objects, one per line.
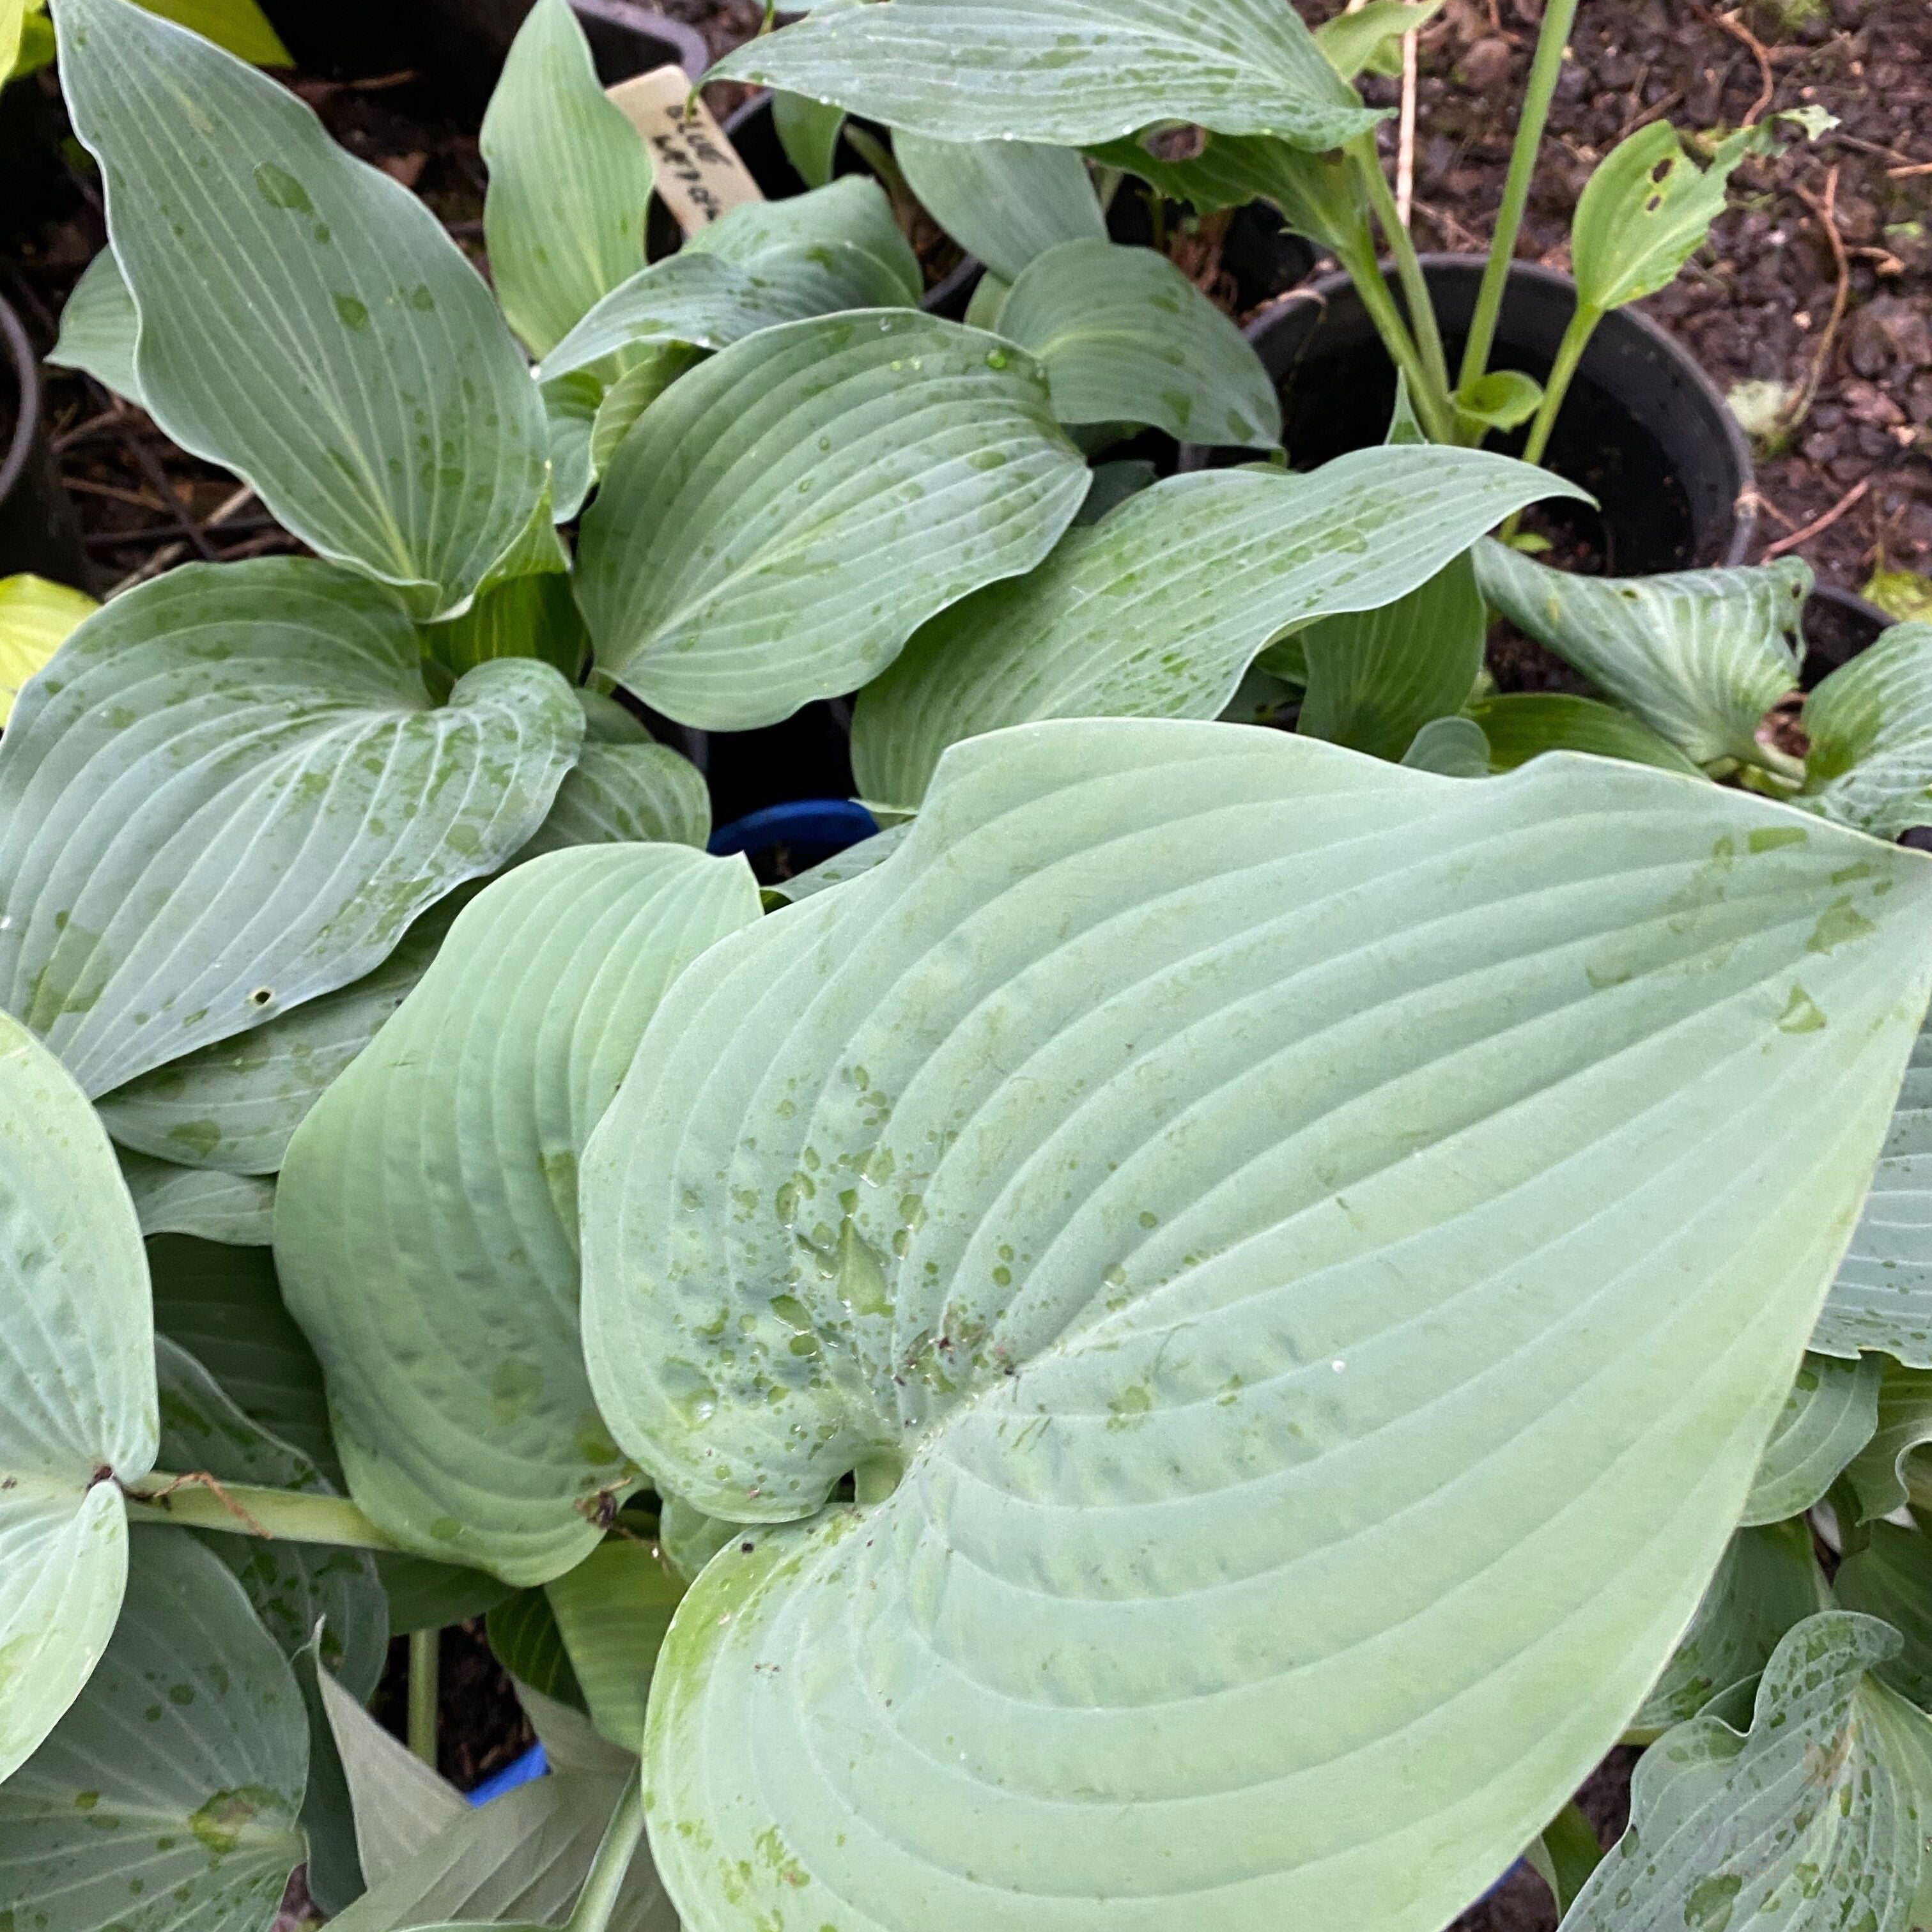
[
  {"x": 1430, "y": 404},
  {"x": 598, "y": 1899},
  {"x": 244, "y": 1510},
  {"x": 425, "y": 1676},
  {"x": 1559, "y": 16},
  {"x": 1569, "y": 356},
  {"x": 1408, "y": 265}
]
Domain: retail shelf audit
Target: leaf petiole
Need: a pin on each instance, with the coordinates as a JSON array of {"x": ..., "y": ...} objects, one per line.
[
  {"x": 598, "y": 1899},
  {"x": 197, "y": 1502},
  {"x": 1569, "y": 359}
]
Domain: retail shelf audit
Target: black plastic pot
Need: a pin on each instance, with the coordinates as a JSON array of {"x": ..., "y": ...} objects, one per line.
[
  {"x": 1838, "y": 625},
  {"x": 461, "y": 44},
  {"x": 1644, "y": 429},
  {"x": 38, "y": 529}
]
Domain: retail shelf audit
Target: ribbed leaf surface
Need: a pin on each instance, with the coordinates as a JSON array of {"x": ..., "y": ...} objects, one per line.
[
  {"x": 1869, "y": 723},
  {"x": 426, "y": 1230},
  {"x": 229, "y": 794},
  {"x": 1158, "y": 610},
  {"x": 1828, "y": 1417},
  {"x": 238, "y": 1210},
  {"x": 1005, "y": 202},
  {"x": 1221, "y": 1172}
]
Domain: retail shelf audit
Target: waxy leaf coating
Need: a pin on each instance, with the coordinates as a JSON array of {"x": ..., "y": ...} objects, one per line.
[{"x": 1201, "y": 1171}]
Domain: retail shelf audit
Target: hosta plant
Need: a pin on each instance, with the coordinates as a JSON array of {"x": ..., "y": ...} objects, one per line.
[{"x": 1188, "y": 1335}]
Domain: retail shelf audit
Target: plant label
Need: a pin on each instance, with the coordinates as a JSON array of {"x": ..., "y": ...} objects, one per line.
[{"x": 699, "y": 174}]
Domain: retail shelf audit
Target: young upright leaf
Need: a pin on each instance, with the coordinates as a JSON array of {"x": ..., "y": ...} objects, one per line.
[
  {"x": 1210, "y": 1170},
  {"x": 231, "y": 1105},
  {"x": 1882, "y": 1297},
  {"x": 1006, "y": 202},
  {"x": 1699, "y": 656},
  {"x": 1767, "y": 1582},
  {"x": 1158, "y": 610},
  {"x": 237, "y": 1210},
  {"x": 1881, "y": 1474},
  {"x": 1828, "y": 1417},
  {"x": 229, "y": 794},
  {"x": 167, "y": 1797},
  {"x": 1814, "y": 1822},
  {"x": 1870, "y": 727},
  {"x": 808, "y": 131},
  {"x": 1455, "y": 747},
  {"x": 77, "y": 1406},
  {"x": 1892, "y": 1578},
  {"x": 305, "y": 319},
  {"x": 613, "y": 1610},
  {"x": 531, "y": 615},
  {"x": 781, "y": 521},
  {"x": 569, "y": 179},
  {"x": 1125, "y": 337},
  {"x": 1646, "y": 211},
  {"x": 1376, "y": 678},
  {"x": 426, "y": 1230},
  {"x": 522, "y": 1857},
  {"x": 1523, "y": 725},
  {"x": 37, "y": 617},
  {"x": 1363, "y": 38},
  {"x": 1063, "y": 71},
  {"x": 239, "y": 25},
  {"x": 853, "y": 213}
]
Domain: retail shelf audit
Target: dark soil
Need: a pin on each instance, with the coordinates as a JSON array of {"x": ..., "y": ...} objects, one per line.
[{"x": 482, "y": 1727}]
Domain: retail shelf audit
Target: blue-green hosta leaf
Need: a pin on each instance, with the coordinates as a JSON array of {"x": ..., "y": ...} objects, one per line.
[
  {"x": 1699, "y": 656},
  {"x": 291, "y": 1585},
  {"x": 424, "y": 1595},
  {"x": 1063, "y": 71},
  {"x": 238, "y": 1210},
  {"x": 1882, "y": 1475},
  {"x": 1647, "y": 210},
  {"x": 570, "y": 406},
  {"x": 1125, "y": 337},
  {"x": 228, "y": 793},
  {"x": 708, "y": 302},
  {"x": 1829, "y": 1416},
  {"x": 1220, "y": 1171},
  {"x": 689, "y": 1538},
  {"x": 619, "y": 794},
  {"x": 613, "y": 1611},
  {"x": 522, "y": 1857},
  {"x": 233, "y": 1105},
  {"x": 1320, "y": 196},
  {"x": 223, "y": 1305},
  {"x": 1768, "y": 1581},
  {"x": 1158, "y": 610},
  {"x": 1813, "y": 1821},
  {"x": 530, "y": 616},
  {"x": 808, "y": 131},
  {"x": 167, "y": 1797},
  {"x": 783, "y": 519},
  {"x": 855, "y": 212},
  {"x": 1523, "y": 725},
  {"x": 1892, "y": 1578},
  {"x": 1455, "y": 747},
  {"x": 1376, "y": 678},
  {"x": 1005, "y": 202},
  {"x": 1870, "y": 727},
  {"x": 1365, "y": 37},
  {"x": 77, "y": 1406},
  {"x": 651, "y": 373},
  {"x": 569, "y": 179},
  {"x": 98, "y": 328},
  {"x": 525, "y": 1639},
  {"x": 305, "y": 319},
  {"x": 426, "y": 1230},
  {"x": 1882, "y": 1297},
  {"x": 851, "y": 863}
]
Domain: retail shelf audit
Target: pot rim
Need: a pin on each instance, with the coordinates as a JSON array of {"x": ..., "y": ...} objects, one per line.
[
  {"x": 694, "y": 51},
  {"x": 26, "y": 367}
]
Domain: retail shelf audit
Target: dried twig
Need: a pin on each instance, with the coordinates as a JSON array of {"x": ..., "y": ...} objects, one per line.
[
  {"x": 1734, "y": 25},
  {"x": 201, "y": 1480},
  {"x": 1906, "y": 174},
  {"x": 1405, "y": 166},
  {"x": 141, "y": 499},
  {"x": 1825, "y": 208},
  {"x": 172, "y": 554},
  {"x": 1818, "y": 525}
]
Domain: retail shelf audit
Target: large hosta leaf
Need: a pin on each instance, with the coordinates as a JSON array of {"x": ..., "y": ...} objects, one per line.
[
  {"x": 783, "y": 519},
  {"x": 167, "y": 1798},
  {"x": 1815, "y": 1822},
  {"x": 1768, "y": 1581},
  {"x": 293, "y": 1585},
  {"x": 229, "y": 794},
  {"x": 236, "y": 1209},
  {"x": 77, "y": 1406},
  {"x": 1211, "y": 1171},
  {"x": 1700, "y": 657},
  {"x": 1158, "y": 610},
  {"x": 1125, "y": 337},
  {"x": 1005, "y": 202},
  {"x": 1829, "y": 1416},
  {"x": 613, "y": 1611},
  {"x": 1063, "y": 71},
  {"x": 305, "y": 320},
  {"x": 1870, "y": 727},
  {"x": 426, "y": 1229},
  {"x": 1882, "y": 1297},
  {"x": 569, "y": 179}
]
